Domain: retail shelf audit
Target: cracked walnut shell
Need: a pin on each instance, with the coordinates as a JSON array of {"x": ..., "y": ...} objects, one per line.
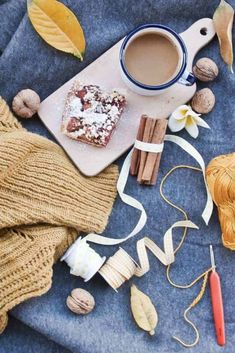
[
  {"x": 80, "y": 301},
  {"x": 205, "y": 70},
  {"x": 203, "y": 101},
  {"x": 26, "y": 103}
]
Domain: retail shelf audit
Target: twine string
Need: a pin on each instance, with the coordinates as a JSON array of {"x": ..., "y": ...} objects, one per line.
[
  {"x": 193, "y": 304},
  {"x": 204, "y": 275}
]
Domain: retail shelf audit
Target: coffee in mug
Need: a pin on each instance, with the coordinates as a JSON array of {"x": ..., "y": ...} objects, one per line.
[{"x": 152, "y": 59}]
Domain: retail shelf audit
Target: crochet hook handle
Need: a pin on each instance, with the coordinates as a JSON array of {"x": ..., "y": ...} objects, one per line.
[{"x": 217, "y": 303}]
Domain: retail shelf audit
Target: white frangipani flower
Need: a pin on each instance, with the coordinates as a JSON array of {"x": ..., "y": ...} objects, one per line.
[{"x": 185, "y": 117}]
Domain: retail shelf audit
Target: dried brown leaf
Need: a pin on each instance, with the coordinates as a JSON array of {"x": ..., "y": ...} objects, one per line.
[
  {"x": 223, "y": 22},
  {"x": 143, "y": 310}
]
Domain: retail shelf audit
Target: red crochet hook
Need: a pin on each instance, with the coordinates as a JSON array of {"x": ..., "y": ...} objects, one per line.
[{"x": 217, "y": 302}]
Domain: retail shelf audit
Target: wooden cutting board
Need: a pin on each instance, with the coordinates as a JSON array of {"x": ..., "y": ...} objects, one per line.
[{"x": 105, "y": 72}]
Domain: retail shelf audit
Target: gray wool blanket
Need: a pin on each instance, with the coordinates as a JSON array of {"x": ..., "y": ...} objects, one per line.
[{"x": 44, "y": 324}]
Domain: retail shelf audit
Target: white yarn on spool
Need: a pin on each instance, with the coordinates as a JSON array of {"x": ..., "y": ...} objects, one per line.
[{"x": 83, "y": 261}]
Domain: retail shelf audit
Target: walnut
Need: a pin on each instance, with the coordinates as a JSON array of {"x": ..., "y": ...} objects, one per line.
[
  {"x": 80, "y": 301},
  {"x": 26, "y": 103},
  {"x": 203, "y": 101},
  {"x": 205, "y": 69}
]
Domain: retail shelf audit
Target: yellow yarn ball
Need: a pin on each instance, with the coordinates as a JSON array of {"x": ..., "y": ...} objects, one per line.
[{"x": 220, "y": 175}]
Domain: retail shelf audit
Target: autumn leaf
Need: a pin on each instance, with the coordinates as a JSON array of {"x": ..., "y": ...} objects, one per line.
[
  {"x": 223, "y": 22},
  {"x": 143, "y": 310},
  {"x": 57, "y": 25}
]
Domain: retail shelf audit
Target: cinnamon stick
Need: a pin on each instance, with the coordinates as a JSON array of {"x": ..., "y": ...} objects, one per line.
[
  {"x": 135, "y": 159},
  {"x": 162, "y": 125},
  {"x": 147, "y": 137},
  {"x": 158, "y": 137}
]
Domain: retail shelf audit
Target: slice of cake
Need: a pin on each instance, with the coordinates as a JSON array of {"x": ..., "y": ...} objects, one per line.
[{"x": 91, "y": 115}]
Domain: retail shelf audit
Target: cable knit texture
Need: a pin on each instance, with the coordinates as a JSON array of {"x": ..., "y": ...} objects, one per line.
[{"x": 44, "y": 203}]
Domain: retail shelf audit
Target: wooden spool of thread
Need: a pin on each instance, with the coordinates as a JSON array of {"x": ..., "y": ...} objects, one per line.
[{"x": 118, "y": 269}]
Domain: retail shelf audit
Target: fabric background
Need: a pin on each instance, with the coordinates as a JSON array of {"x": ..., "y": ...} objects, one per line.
[{"x": 27, "y": 62}]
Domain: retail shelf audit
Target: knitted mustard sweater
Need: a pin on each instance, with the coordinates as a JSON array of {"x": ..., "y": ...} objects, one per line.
[{"x": 44, "y": 203}]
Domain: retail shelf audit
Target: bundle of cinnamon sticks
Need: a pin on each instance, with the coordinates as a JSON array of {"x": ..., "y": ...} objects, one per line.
[{"x": 145, "y": 165}]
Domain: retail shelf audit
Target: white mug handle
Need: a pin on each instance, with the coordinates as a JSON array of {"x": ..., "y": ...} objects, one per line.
[{"x": 187, "y": 79}]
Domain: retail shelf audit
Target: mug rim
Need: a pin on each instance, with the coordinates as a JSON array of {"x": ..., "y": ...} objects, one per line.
[{"x": 164, "y": 85}]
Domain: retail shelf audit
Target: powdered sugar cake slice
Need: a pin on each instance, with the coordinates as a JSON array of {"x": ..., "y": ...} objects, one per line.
[{"x": 91, "y": 114}]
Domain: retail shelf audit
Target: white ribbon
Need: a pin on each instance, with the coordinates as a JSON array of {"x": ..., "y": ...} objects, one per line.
[
  {"x": 167, "y": 256},
  {"x": 131, "y": 201},
  {"x": 149, "y": 147},
  {"x": 86, "y": 262},
  {"x": 83, "y": 261},
  {"x": 121, "y": 267}
]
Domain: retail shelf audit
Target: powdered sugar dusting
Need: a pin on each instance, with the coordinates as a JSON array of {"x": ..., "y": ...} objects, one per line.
[{"x": 75, "y": 106}]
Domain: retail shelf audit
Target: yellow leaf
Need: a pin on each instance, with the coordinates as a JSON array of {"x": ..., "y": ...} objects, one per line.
[
  {"x": 57, "y": 25},
  {"x": 143, "y": 310},
  {"x": 223, "y": 22}
]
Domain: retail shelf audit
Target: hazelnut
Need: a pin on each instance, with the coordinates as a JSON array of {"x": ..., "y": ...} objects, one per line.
[
  {"x": 203, "y": 101},
  {"x": 205, "y": 70},
  {"x": 26, "y": 103},
  {"x": 80, "y": 301}
]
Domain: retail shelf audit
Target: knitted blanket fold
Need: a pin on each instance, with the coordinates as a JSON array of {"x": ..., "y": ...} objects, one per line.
[{"x": 44, "y": 203}]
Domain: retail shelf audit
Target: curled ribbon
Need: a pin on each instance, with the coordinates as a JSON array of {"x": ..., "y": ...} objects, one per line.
[
  {"x": 131, "y": 201},
  {"x": 121, "y": 267},
  {"x": 86, "y": 262}
]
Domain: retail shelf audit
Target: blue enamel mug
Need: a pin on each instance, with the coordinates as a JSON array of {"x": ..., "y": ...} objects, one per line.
[{"x": 181, "y": 74}]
